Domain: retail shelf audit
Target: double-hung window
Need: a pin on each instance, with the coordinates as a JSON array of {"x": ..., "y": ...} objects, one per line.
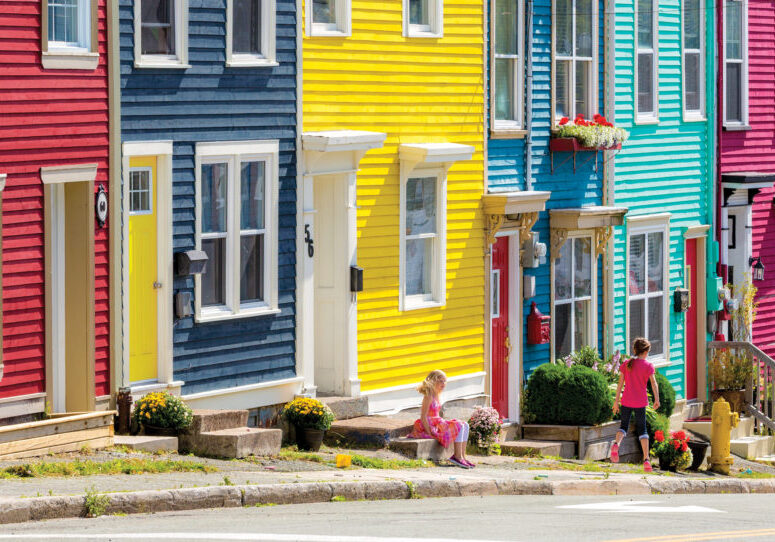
[
  {"x": 236, "y": 225},
  {"x": 574, "y": 291},
  {"x": 735, "y": 63},
  {"x": 161, "y": 33},
  {"x": 694, "y": 58},
  {"x": 250, "y": 39},
  {"x": 328, "y": 18},
  {"x": 575, "y": 58},
  {"x": 68, "y": 34},
  {"x": 646, "y": 60},
  {"x": 423, "y": 18},
  {"x": 647, "y": 287},
  {"x": 506, "y": 77}
]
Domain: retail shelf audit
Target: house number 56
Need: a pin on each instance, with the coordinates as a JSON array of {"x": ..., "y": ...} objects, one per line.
[{"x": 309, "y": 241}]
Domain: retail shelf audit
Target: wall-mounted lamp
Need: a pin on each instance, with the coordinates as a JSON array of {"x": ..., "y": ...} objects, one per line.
[{"x": 757, "y": 267}]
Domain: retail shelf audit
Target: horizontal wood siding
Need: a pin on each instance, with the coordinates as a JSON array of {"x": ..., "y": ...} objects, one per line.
[
  {"x": 663, "y": 167},
  {"x": 415, "y": 90},
  {"x": 47, "y": 118},
  {"x": 210, "y": 102}
]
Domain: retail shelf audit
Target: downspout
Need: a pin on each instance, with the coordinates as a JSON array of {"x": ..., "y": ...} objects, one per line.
[
  {"x": 609, "y": 174},
  {"x": 529, "y": 100}
]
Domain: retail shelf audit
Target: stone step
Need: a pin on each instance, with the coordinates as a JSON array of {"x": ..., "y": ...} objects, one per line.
[
  {"x": 207, "y": 421},
  {"x": 769, "y": 459},
  {"x": 147, "y": 443},
  {"x": 565, "y": 449},
  {"x": 510, "y": 431},
  {"x": 420, "y": 448},
  {"x": 346, "y": 408},
  {"x": 368, "y": 431},
  {"x": 752, "y": 447},
  {"x": 234, "y": 442},
  {"x": 703, "y": 427},
  {"x": 692, "y": 410}
]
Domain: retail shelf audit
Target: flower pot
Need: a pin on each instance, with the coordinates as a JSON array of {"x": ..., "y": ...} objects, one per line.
[
  {"x": 735, "y": 398},
  {"x": 698, "y": 449},
  {"x": 160, "y": 431},
  {"x": 308, "y": 438},
  {"x": 664, "y": 464}
]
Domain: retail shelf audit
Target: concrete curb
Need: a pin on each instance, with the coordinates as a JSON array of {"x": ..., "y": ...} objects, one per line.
[{"x": 172, "y": 500}]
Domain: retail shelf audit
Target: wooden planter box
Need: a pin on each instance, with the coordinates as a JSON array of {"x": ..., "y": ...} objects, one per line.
[
  {"x": 57, "y": 434},
  {"x": 593, "y": 442}
]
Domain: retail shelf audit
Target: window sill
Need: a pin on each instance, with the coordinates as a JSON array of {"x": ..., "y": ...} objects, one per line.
[
  {"x": 694, "y": 118},
  {"x": 508, "y": 133},
  {"x": 222, "y": 316},
  {"x": 69, "y": 60},
  {"x": 736, "y": 127},
  {"x": 646, "y": 120},
  {"x": 161, "y": 64},
  {"x": 251, "y": 63},
  {"x": 412, "y": 305},
  {"x": 321, "y": 33},
  {"x": 421, "y": 34},
  {"x": 661, "y": 362}
]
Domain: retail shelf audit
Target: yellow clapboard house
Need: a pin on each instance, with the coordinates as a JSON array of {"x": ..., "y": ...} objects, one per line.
[{"x": 392, "y": 177}]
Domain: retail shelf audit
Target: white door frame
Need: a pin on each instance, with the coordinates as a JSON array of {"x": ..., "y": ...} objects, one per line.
[{"x": 58, "y": 324}]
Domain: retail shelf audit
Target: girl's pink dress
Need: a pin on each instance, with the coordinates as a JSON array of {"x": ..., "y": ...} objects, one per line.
[{"x": 446, "y": 430}]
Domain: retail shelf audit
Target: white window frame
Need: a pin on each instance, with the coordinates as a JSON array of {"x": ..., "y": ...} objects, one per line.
[
  {"x": 640, "y": 225},
  {"x": 234, "y": 153},
  {"x": 744, "y": 63},
  {"x": 592, "y": 331},
  {"x": 180, "y": 59},
  {"x": 80, "y": 55},
  {"x": 340, "y": 28},
  {"x": 694, "y": 115},
  {"x": 594, "y": 75},
  {"x": 149, "y": 171},
  {"x": 495, "y": 293},
  {"x": 437, "y": 297},
  {"x": 435, "y": 17},
  {"x": 267, "y": 57},
  {"x": 84, "y": 30},
  {"x": 518, "y": 60},
  {"x": 651, "y": 117}
]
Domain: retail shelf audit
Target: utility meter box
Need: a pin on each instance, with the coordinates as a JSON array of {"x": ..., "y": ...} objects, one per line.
[
  {"x": 681, "y": 300},
  {"x": 715, "y": 294},
  {"x": 533, "y": 252}
]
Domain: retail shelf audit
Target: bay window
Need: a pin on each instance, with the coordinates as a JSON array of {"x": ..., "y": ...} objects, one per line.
[
  {"x": 694, "y": 58},
  {"x": 646, "y": 60},
  {"x": 735, "y": 62},
  {"x": 647, "y": 288},
  {"x": 250, "y": 33},
  {"x": 423, "y": 18},
  {"x": 506, "y": 68},
  {"x": 161, "y": 33},
  {"x": 575, "y": 58},
  {"x": 574, "y": 294}
]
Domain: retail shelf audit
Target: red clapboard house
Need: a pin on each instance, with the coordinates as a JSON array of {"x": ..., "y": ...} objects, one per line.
[{"x": 53, "y": 161}]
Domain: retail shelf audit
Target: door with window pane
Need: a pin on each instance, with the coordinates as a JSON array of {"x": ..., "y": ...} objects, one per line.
[
  {"x": 573, "y": 302},
  {"x": 501, "y": 348},
  {"x": 646, "y": 288}
]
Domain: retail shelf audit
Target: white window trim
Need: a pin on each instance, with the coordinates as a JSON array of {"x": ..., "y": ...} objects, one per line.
[
  {"x": 436, "y": 18},
  {"x": 594, "y": 75},
  {"x": 593, "y": 291},
  {"x": 83, "y": 45},
  {"x": 80, "y": 56},
  {"x": 180, "y": 59},
  {"x": 268, "y": 56},
  {"x": 234, "y": 153},
  {"x": 505, "y": 126},
  {"x": 341, "y": 28},
  {"x": 439, "y": 272},
  {"x": 651, "y": 117},
  {"x": 744, "y": 83},
  {"x": 651, "y": 224},
  {"x": 495, "y": 288},
  {"x": 689, "y": 115},
  {"x": 150, "y": 211}
]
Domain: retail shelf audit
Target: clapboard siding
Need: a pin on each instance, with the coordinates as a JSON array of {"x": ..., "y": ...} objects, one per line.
[
  {"x": 47, "y": 118},
  {"x": 664, "y": 167},
  {"x": 415, "y": 90},
  {"x": 210, "y": 102}
]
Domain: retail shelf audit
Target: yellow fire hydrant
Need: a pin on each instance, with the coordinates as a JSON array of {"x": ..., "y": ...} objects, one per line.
[{"x": 723, "y": 420}]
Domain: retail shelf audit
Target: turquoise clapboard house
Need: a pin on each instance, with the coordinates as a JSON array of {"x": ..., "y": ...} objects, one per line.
[{"x": 663, "y": 92}]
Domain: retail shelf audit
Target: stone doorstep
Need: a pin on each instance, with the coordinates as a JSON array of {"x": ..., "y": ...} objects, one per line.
[
  {"x": 703, "y": 427},
  {"x": 752, "y": 447},
  {"x": 147, "y": 443},
  {"x": 206, "y": 421},
  {"x": 564, "y": 449},
  {"x": 346, "y": 408},
  {"x": 368, "y": 431},
  {"x": 420, "y": 448},
  {"x": 234, "y": 443}
]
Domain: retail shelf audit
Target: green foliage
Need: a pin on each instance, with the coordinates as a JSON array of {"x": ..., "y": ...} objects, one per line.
[
  {"x": 589, "y": 357},
  {"x": 162, "y": 409},
  {"x": 309, "y": 413},
  {"x": 666, "y": 394},
  {"x": 91, "y": 468},
  {"x": 655, "y": 421},
  {"x": 95, "y": 505},
  {"x": 541, "y": 397}
]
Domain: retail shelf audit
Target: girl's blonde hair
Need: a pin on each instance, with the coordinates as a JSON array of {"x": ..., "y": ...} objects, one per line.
[{"x": 428, "y": 386}]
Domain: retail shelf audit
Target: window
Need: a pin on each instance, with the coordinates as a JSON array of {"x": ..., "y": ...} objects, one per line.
[
  {"x": 573, "y": 296},
  {"x": 161, "y": 33},
  {"x": 423, "y": 18},
  {"x": 506, "y": 76},
  {"x": 423, "y": 241},
  {"x": 237, "y": 229},
  {"x": 69, "y": 39},
  {"x": 329, "y": 18},
  {"x": 647, "y": 288},
  {"x": 694, "y": 58},
  {"x": 646, "y": 61},
  {"x": 250, "y": 39},
  {"x": 140, "y": 191},
  {"x": 736, "y": 62},
  {"x": 495, "y": 293},
  {"x": 575, "y": 58}
]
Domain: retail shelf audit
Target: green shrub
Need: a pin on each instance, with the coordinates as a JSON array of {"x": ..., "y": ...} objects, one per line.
[
  {"x": 541, "y": 404},
  {"x": 666, "y": 395},
  {"x": 656, "y": 421}
]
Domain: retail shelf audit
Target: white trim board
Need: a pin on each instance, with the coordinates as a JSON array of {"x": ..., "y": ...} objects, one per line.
[
  {"x": 246, "y": 397},
  {"x": 68, "y": 174},
  {"x": 396, "y": 398}
]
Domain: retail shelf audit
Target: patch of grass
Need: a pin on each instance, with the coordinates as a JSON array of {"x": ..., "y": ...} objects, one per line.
[
  {"x": 753, "y": 474},
  {"x": 338, "y": 498},
  {"x": 292, "y": 454},
  {"x": 95, "y": 504},
  {"x": 90, "y": 468},
  {"x": 227, "y": 481},
  {"x": 390, "y": 464}
]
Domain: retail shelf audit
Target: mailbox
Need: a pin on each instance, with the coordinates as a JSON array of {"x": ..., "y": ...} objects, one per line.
[
  {"x": 356, "y": 278},
  {"x": 681, "y": 300},
  {"x": 539, "y": 326},
  {"x": 190, "y": 262}
]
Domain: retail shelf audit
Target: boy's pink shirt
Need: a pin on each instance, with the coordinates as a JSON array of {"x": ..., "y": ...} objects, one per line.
[{"x": 635, "y": 380}]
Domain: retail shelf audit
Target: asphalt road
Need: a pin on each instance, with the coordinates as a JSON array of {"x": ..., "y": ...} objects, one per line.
[{"x": 659, "y": 518}]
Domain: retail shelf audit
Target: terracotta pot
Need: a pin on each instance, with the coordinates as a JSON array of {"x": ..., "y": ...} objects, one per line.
[
  {"x": 160, "y": 431},
  {"x": 309, "y": 439},
  {"x": 698, "y": 448},
  {"x": 735, "y": 398}
]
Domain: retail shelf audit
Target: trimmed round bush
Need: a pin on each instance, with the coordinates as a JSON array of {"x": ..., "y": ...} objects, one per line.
[
  {"x": 541, "y": 404},
  {"x": 666, "y": 395}
]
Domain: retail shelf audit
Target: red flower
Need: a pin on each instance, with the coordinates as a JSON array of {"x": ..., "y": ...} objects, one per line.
[
  {"x": 684, "y": 447},
  {"x": 564, "y": 121},
  {"x": 659, "y": 435},
  {"x": 680, "y": 435},
  {"x": 578, "y": 117},
  {"x": 676, "y": 444}
]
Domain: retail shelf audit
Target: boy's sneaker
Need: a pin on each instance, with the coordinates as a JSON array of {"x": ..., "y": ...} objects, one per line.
[
  {"x": 454, "y": 460},
  {"x": 647, "y": 466},
  {"x": 615, "y": 453}
]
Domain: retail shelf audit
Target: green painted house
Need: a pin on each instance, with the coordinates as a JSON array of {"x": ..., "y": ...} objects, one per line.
[{"x": 663, "y": 93}]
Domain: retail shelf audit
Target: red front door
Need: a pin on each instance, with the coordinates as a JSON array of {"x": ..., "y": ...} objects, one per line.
[
  {"x": 501, "y": 347},
  {"x": 691, "y": 320}
]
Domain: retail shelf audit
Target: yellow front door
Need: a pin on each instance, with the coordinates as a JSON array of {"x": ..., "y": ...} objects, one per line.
[{"x": 143, "y": 285}]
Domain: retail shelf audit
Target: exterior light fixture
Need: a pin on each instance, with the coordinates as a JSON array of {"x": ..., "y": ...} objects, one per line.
[{"x": 757, "y": 267}]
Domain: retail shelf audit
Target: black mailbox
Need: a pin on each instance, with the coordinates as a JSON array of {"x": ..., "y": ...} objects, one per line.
[
  {"x": 356, "y": 278},
  {"x": 681, "y": 300},
  {"x": 190, "y": 262}
]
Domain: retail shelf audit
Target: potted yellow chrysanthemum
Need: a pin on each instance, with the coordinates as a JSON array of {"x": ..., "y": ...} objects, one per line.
[
  {"x": 161, "y": 413},
  {"x": 311, "y": 419}
]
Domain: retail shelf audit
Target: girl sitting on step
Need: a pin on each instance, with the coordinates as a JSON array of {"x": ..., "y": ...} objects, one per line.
[{"x": 431, "y": 425}]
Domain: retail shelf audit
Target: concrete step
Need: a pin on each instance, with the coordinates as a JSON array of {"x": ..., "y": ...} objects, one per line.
[
  {"x": 752, "y": 447},
  {"x": 420, "y": 448},
  {"x": 234, "y": 442},
  {"x": 561, "y": 448},
  {"x": 207, "y": 421},
  {"x": 346, "y": 408},
  {"x": 768, "y": 459},
  {"x": 510, "y": 431},
  {"x": 368, "y": 431},
  {"x": 692, "y": 410},
  {"x": 147, "y": 443},
  {"x": 703, "y": 427}
]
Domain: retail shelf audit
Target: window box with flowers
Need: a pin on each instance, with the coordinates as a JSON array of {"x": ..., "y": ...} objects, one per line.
[{"x": 582, "y": 135}]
